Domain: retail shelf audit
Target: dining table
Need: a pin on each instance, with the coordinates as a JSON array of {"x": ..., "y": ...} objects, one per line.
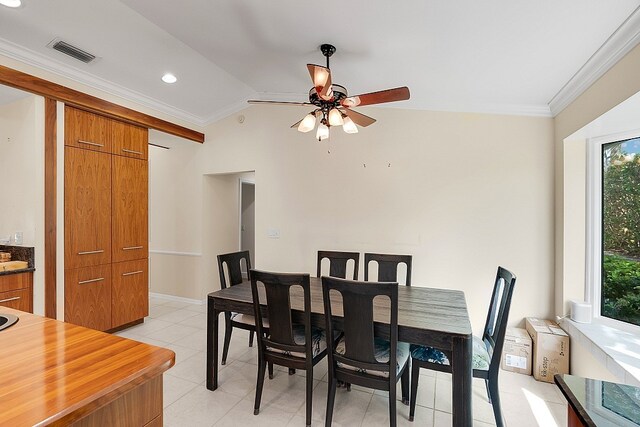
[{"x": 426, "y": 316}]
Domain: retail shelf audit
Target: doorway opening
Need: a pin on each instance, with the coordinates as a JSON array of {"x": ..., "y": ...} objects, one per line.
[{"x": 247, "y": 219}]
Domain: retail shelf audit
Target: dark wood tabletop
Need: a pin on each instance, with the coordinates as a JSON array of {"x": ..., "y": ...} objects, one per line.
[{"x": 426, "y": 316}]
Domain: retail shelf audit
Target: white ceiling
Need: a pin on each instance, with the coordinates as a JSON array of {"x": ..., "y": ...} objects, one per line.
[{"x": 464, "y": 55}]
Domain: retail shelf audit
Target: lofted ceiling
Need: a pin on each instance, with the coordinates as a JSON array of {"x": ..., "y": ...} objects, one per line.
[{"x": 503, "y": 56}]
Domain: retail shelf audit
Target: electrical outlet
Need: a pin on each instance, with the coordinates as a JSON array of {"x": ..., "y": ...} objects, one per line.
[{"x": 273, "y": 233}]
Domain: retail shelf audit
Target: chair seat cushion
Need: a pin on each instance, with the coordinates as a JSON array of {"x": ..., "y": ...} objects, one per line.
[
  {"x": 318, "y": 342},
  {"x": 247, "y": 319},
  {"x": 481, "y": 359},
  {"x": 382, "y": 349}
]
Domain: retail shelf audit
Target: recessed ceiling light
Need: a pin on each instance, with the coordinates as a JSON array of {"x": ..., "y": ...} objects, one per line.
[
  {"x": 167, "y": 78},
  {"x": 11, "y": 3}
]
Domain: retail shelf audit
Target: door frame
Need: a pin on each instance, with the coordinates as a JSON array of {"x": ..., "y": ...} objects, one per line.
[{"x": 242, "y": 181}]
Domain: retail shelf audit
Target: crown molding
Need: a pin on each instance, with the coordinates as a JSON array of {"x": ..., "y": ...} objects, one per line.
[
  {"x": 225, "y": 112},
  {"x": 29, "y": 57},
  {"x": 625, "y": 38}
]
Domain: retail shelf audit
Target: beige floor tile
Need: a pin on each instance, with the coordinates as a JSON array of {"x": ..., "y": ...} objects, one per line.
[
  {"x": 172, "y": 333},
  {"x": 192, "y": 369},
  {"x": 198, "y": 321},
  {"x": 242, "y": 415},
  {"x": 199, "y": 407},
  {"x": 284, "y": 392},
  {"x": 349, "y": 410},
  {"x": 174, "y": 388},
  {"x": 177, "y": 316},
  {"x": 159, "y": 310},
  {"x": 378, "y": 414}
]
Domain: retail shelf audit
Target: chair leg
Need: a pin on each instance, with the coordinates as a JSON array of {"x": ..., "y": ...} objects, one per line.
[
  {"x": 309, "y": 401},
  {"x": 404, "y": 382},
  {"x": 392, "y": 405},
  {"x": 260, "y": 382},
  {"x": 227, "y": 339},
  {"x": 331, "y": 398},
  {"x": 251, "y": 338},
  {"x": 270, "y": 370},
  {"x": 415, "y": 374},
  {"x": 495, "y": 400}
]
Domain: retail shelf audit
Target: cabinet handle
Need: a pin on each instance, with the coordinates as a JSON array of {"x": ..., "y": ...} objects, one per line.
[
  {"x": 132, "y": 273},
  {"x": 132, "y": 248},
  {"x": 10, "y": 299},
  {"x": 83, "y": 282},
  {"x": 95, "y": 144},
  {"x": 132, "y": 151},
  {"x": 91, "y": 252}
]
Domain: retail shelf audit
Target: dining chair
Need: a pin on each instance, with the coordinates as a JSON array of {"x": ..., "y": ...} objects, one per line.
[
  {"x": 233, "y": 262},
  {"x": 486, "y": 350},
  {"x": 361, "y": 356},
  {"x": 388, "y": 267},
  {"x": 289, "y": 344},
  {"x": 338, "y": 263}
]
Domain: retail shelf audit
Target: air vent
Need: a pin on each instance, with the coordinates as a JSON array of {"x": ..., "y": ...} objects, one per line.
[{"x": 72, "y": 51}]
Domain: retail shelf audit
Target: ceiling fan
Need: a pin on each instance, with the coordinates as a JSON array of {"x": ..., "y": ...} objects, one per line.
[{"x": 333, "y": 104}]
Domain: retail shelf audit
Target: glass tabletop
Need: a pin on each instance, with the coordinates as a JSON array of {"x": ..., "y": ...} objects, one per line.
[{"x": 601, "y": 403}]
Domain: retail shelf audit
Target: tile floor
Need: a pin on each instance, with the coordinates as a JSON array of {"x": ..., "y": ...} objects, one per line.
[{"x": 181, "y": 328}]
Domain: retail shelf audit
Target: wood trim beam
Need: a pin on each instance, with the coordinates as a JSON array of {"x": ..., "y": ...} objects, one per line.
[
  {"x": 33, "y": 84},
  {"x": 50, "y": 206}
]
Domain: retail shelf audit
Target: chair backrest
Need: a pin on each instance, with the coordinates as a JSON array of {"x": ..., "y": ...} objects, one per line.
[
  {"x": 498, "y": 315},
  {"x": 277, "y": 287},
  {"x": 388, "y": 267},
  {"x": 358, "y": 325},
  {"x": 338, "y": 263},
  {"x": 233, "y": 261}
]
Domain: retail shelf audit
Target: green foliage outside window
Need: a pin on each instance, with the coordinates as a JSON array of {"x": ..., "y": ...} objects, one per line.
[{"x": 621, "y": 232}]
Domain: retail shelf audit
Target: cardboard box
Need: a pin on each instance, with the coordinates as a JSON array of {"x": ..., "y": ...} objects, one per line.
[
  {"x": 517, "y": 351},
  {"x": 550, "y": 349}
]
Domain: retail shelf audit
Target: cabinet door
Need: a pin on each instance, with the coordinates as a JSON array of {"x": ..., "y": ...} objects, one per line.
[
  {"x": 129, "y": 140},
  {"x": 86, "y": 130},
  {"x": 87, "y": 297},
  {"x": 87, "y": 208},
  {"x": 130, "y": 209},
  {"x": 20, "y": 300},
  {"x": 130, "y": 291}
]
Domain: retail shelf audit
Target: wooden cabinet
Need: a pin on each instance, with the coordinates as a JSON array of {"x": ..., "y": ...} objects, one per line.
[
  {"x": 87, "y": 299},
  {"x": 87, "y": 130},
  {"x": 16, "y": 291},
  {"x": 129, "y": 140},
  {"x": 87, "y": 208},
  {"x": 130, "y": 202},
  {"x": 130, "y": 291},
  {"x": 106, "y": 221}
]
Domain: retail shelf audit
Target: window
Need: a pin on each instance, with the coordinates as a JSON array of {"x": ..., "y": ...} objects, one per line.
[{"x": 615, "y": 225}]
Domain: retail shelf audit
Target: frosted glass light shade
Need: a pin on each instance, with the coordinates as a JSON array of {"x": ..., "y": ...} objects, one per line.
[
  {"x": 323, "y": 132},
  {"x": 349, "y": 126},
  {"x": 335, "y": 117},
  {"x": 308, "y": 123}
]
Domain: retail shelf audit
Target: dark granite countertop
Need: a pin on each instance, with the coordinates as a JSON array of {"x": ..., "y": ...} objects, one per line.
[{"x": 20, "y": 253}]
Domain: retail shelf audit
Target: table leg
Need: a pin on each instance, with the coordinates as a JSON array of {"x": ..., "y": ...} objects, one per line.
[
  {"x": 462, "y": 378},
  {"x": 212, "y": 345}
]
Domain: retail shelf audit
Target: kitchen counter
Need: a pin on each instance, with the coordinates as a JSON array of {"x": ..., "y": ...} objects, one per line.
[
  {"x": 20, "y": 253},
  {"x": 55, "y": 373}
]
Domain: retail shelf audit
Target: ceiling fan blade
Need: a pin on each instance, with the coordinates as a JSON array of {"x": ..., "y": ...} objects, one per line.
[
  {"x": 296, "y": 124},
  {"x": 258, "y": 101},
  {"x": 389, "y": 95},
  {"x": 321, "y": 78},
  {"x": 359, "y": 118}
]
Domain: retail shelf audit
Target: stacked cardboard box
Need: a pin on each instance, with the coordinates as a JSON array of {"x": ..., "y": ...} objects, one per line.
[
  {"x": 517, "y": 351},
  {"x": 550, "y": 348}
]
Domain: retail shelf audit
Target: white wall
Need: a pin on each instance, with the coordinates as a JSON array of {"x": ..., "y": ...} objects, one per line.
[
  {"x": 463, "y": 193},
  {"x": 22, "y": 180}
]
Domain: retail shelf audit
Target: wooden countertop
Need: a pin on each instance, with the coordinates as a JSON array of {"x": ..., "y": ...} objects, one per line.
[{"x": 51, "y": 371}]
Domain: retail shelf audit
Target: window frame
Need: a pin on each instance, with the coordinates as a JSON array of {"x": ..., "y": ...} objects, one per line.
[{"x": 593, "y": 252}]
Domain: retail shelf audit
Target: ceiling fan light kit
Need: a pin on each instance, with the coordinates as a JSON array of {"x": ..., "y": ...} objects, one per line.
[{"x": 333, "y": 105}]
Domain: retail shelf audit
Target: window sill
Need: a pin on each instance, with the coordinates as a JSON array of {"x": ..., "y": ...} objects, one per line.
[{"x": 615, "y": 348}]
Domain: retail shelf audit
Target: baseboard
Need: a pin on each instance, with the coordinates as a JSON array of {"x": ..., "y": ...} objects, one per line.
[{"x": 176, "y": 298}]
